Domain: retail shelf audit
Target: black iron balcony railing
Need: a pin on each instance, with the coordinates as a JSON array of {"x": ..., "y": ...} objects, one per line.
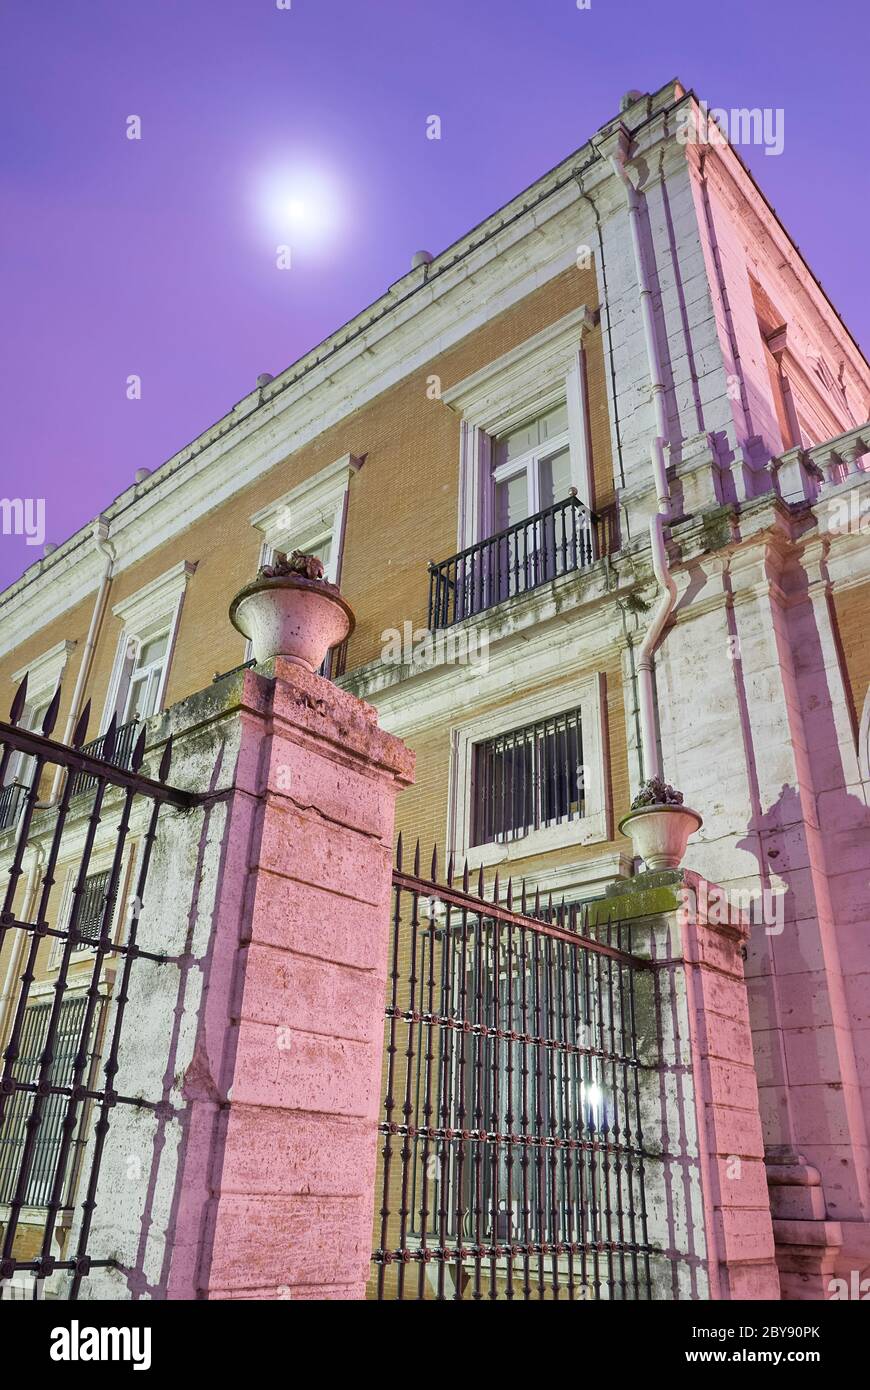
[
  {"x": 332, "y": 666},
  {"x": 553, "y": 542},
  {"x": 119, "y": 756},
  {"x": 11, "y": 803},
  {"x": 334, "y": 663}
]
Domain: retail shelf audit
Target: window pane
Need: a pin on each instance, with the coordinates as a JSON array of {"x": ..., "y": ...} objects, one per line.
[
  {"x": 517, "y": 442},
  {"x": 511, "y": 501},
  {"x": 323, "y": 551},
  {"x": 530, "y": 436},
  {"x": 151, "y": 651},
  {"x": 142, "y": 697},
  {"x": 555, "y": 478},
  {"x": 554, "y": 423}
]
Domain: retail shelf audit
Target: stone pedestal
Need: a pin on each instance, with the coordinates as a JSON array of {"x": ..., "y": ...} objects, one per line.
[{"x": 807, "y": 1244}]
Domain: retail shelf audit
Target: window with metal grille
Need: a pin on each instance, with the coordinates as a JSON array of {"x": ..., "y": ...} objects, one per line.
[
  {"x": 87, "y": 915},
  {"x": 20, "y": 1104},
  {"x": 528, "y": 779}
]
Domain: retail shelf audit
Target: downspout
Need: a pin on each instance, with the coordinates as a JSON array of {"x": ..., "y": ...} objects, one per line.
[
  {"x": 645, "y": 668},
  {"x": 101, "y": 542}
]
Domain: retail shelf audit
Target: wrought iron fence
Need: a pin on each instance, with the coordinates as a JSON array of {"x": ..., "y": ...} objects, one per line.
[
  {"x": 513, "y": 1152},
  {"x": 553, "y": 542},
  {"x": 60, "y": 1051}
]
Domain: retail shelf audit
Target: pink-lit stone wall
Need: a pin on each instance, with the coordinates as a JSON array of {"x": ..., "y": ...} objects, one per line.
[
  {"x": 257, "y": 1180},
  {"x": 707, "y": 1199}
]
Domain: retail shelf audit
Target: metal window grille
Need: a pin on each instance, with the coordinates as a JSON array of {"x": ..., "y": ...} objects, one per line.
[
  {"x": 528, "y": 779},
  {"x": 49, "y": 1133},
  {"x": 86, "y": 917}
]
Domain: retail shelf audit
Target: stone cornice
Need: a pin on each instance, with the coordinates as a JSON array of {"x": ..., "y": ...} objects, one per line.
[{"x": 517, "y": 249}]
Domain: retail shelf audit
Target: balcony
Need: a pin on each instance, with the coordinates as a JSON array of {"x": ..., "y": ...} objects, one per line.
[
  {"x": 12, "y": 803},
  {"x": 515, "y": 561},
  {"x": 120, "y": 756},
  {"x": 802, "y": 474}
]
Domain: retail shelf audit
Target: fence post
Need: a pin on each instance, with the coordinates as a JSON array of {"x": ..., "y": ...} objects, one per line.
[
  {"x": 709, "y": 1207},
  {"x": 255, "y": 1177},
  {"x": 291, "y": 1212}
]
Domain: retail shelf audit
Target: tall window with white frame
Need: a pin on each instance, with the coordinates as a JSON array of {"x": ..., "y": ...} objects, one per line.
[
  {"x": 150, "y": 620},
  {"x": 19, "y": 776},
  {"x": 531, "y": 468},
  {"x": 147, "y": 660},
  {"x": 533, "y": 528},
  {"x": 139, "y": 690}
]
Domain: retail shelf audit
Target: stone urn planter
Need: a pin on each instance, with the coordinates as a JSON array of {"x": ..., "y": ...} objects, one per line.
[
  {"x": 291, "y": 611},
  {"x": 659, "y": 825}
]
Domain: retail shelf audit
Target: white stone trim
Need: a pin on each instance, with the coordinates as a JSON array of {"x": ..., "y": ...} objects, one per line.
[
  {"x": 45, "y": 673},
  {"x": 150, "y": 611},
  {"x": 310, "y": 512},
  {"x": 580, "y": 881},
  {"x": 534, "y": 376},
  {"x": 589, "y": 694}
]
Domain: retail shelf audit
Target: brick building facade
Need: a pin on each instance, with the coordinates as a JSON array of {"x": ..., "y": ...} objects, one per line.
[{"x": 641, "y": 291}]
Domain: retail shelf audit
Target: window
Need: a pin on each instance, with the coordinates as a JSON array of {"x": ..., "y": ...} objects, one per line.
[
  {"x": 531, "y": 468},
  {"x": 150, "y": 621},
  {"x": 21, "y": 769},
  {"x": 310, "y": 517},
  {"x": 531, "y": 777},
  {"x": 43, "y": 677},
  {"x": 524, "y": 439},
  {"x": 49, "y": 1137},
  {"x": 87, "y": 917},
  {"x": 528, "y": 779},
  {"x": 147, "y": 667}
]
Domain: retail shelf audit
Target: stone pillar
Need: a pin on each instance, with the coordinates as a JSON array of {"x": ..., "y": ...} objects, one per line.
[
  {"x": 708, "y": 1202},
  {"x": 256, "y": 1176}
]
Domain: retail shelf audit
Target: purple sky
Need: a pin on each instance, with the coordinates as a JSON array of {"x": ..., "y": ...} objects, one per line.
[{"x": 157, "y": 257}]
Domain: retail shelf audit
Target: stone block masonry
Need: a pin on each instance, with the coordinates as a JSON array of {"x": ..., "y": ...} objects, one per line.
[
  {"x": 708, "y": 1206},
  {"x": 254, "y": 1177}
]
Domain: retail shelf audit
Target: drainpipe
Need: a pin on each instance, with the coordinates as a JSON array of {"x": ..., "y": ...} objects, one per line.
[
  {"x": 645, "y": 669},
  {"x": 101, "y": 542}
]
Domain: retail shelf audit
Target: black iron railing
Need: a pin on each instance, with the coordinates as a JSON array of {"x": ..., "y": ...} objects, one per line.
[
  {"x": 59, "y": 1083},
  {"x": 513, "y": 1151},
  {"x": 11, "y": 803},
  {"x": 116, "y": 748},
  {"x": 334, "y": 663},
  {"x": 332, "y": 666},
  {"x": 530, "y": 553}
]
